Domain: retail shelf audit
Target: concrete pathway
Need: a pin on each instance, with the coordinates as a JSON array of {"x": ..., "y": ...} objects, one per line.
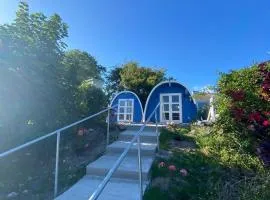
[{"x": 124, "y": 183}]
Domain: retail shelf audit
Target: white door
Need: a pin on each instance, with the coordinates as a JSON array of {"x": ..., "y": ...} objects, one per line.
[
  {"x": 171, "y": 107},
  {"x": 125, "y": 110}
]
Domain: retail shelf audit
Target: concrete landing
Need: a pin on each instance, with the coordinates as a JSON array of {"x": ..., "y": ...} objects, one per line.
[{"x": 124, "y": 183}]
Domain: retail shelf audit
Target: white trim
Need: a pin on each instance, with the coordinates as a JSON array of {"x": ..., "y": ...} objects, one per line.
[
  {"x": 170, "y": 111},
  {"x": 159, "y": 84},
  {"x": 127, "y": 91}
]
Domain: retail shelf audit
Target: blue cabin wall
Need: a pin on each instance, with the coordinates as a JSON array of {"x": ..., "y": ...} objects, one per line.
[
  {"x": 137, "y": 113},
  {"x": 189, "y": 108}
]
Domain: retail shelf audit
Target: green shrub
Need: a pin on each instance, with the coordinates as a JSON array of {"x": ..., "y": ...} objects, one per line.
[
  {"x": 173, "y": 132},
  {"x": 222, "y": 167},
  {"x": 228, "y": 149}
]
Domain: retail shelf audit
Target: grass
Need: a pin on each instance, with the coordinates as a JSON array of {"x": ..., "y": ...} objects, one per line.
[{"x": 222, "y": 166}]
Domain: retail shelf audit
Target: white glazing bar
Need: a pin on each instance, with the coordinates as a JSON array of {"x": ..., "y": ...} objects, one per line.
[{"x": 157, "y": 130}]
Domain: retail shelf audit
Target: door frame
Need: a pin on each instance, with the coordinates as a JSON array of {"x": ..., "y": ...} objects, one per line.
[
  {"x": 170, "y": 107},
  {"x": 125, "y": 110}
]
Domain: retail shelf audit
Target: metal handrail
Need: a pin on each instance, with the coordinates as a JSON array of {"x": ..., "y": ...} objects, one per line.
[
  {"x": 52, "y": 133},
  {"x": 102, "y": 185},
  {"x": 58, "y": 132}
]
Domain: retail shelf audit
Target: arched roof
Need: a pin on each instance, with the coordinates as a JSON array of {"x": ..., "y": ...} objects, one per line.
[
  {"x": 159, "y": 84},
  {"x": 127, "y": 91}
]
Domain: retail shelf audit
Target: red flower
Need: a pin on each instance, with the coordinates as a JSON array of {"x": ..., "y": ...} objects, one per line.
[
  {"x": 238, "y": 113},
  {"x": 255, "y": 116},
  {"x": 266, "y": 123},
  {"x": 266, "y": 86},
  {"x": 267, "y": 113},
  {"x": 237, "y": 95}
]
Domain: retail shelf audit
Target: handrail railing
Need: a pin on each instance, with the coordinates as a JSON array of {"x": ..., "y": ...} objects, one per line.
[
  {"x": 58, "y": 132},
  {"x": 108, "y": 176}
]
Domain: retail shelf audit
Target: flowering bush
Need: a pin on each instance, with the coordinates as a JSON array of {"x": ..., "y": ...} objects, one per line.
[{"x": 243, "y": 102}]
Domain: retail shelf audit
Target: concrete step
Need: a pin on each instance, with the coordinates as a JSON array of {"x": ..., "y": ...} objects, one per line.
[
  {"x": 116, "y": 189},
  {"x": 128, "y": 169},
  {"x": 118, "y": 147},
  {"x": 146, "y": 136},
  {"x": 151, "y": 128}
]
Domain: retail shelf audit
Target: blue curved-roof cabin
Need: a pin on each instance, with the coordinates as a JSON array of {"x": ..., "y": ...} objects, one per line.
[
  {"x": 176, "y": 104},
  {"x": 128, "y": 108}
]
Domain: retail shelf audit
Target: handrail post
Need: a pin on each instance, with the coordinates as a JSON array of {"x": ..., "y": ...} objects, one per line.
[
  {"x": 108, "y": 126},
  {"x": 140, "y": 167},
  {"x": 157, "y": 130},
  {"x": 56, "y": 165}
]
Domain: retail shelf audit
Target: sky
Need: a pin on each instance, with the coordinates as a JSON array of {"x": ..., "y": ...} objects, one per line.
[{"x": 193, "y": 40}]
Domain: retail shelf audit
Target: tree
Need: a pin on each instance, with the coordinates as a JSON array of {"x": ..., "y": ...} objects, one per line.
[
  {"x": 113, "y": 81},
  {"x": 31, "y": 51},
  {"x": 133, "y": 77},
  {"x": 81, "y": 77},
  {"x": 41, "y": 84},
  {"x": 80, "y": 66}
]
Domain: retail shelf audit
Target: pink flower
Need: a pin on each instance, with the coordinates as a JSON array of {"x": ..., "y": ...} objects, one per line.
[
  {"x": 80, "y": 132},
  {"x": 161, "y": 164},
  {"x": 266, "y": 123},
  {"x": 172, "y": 168},
  {"x": 183, "y": 172}
]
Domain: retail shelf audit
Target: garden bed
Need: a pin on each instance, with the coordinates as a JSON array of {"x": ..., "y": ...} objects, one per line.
[
  {"x": 29, "y": 173},
  {"x": 218, "y": 168}
]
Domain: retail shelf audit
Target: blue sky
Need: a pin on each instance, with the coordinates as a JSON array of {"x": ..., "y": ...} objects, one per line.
[{"x": 193, "y": 40}]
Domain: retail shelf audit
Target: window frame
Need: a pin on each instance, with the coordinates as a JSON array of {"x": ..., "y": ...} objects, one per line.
[{"x": 125, "y": 113}]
